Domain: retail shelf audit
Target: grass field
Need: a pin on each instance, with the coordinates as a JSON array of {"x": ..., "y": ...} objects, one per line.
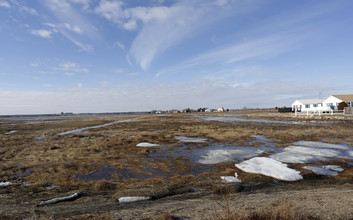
[{"x": 106, "y": 160}]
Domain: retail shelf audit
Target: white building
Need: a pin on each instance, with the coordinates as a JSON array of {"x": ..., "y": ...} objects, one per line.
[
  {"x": 333, "y": 101},
  {"x": 221, "y": 109},
  {"x": 330, "y": 103},
  {"x": 308, "y": 105}
]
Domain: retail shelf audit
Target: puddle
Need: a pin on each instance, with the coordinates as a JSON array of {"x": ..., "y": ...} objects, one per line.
[
  {"x": 212, "y": 154},
  {"x": 96, "y": 126},
  {"x": 311, "y": 151},
  {"x": 105, "y": 173}
]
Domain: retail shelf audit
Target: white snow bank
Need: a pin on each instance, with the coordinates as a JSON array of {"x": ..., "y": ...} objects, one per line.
[
  {"x": 219, "y": 156},
  {"x": 145, "y": 144},
  {"x": 231, "y": 179},
  {"x": 5, "y": 184},
  {"x": 133, "y": 199},
  {"x": 269, "y": 167},
  {"x": 301, "y": 154},
  {"x": 10, "y": 132},
  {"x": 190, "y": 139},
  {"x": 326, "y": 170}
]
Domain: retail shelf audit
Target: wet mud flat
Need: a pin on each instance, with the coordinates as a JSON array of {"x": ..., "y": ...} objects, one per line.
[{"x": 149, "y": 165}]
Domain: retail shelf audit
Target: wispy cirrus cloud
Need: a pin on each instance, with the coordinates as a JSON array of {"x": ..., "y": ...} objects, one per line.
[
  {"x": 128, "y": 18},
  {"x": 183, "y": 20},
  {"x": 5, "y": 4},
  {"x": 71, "y": 23},
  {"x": 71, "y": 67},
  {"x": 42, "y": 33}
]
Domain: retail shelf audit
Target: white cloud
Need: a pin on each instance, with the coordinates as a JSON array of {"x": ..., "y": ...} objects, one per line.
[
  {"x": 127, "y": 18},
  {"x": 72, "y": 23},
  {"x": 79, "y": 85},
  {"x": 69, "y": 74},
  {"x": 42, "y": 33},
  {"x": 73, "y": 28},
  {"x": 171, "y": 26},
  {"x": 28, "y": 10},
  {"x": 5, "y": 4},
  {"x": 118, "y": 70},
  {"x": 34, "y": 64},
  {"x": 70, "y": 67},
  {"x": 119, "y": 44}
]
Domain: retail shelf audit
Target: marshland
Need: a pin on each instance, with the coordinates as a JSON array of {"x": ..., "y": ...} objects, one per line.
[{"x": 183, "y": 166}]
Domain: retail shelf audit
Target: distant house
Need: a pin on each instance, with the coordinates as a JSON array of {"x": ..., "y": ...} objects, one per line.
[
  {"x": 330, "y": 103},
  {"x": 221, "y": 109},
  {"x": 333, "y": 101},
  {"x": 308, "y": 105}
]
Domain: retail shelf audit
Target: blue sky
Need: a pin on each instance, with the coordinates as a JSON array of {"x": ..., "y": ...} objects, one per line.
[{"x": 139, "y": 55}]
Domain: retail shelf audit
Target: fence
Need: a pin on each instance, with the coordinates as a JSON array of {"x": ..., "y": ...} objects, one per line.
[
  {"x": 321, "y": 112},
  {"x": 348, "y": 110}
]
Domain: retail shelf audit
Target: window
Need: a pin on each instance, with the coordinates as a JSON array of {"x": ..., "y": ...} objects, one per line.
[
  {"x": 307, "y": 106},
  {"x": 315, "y": 105}
]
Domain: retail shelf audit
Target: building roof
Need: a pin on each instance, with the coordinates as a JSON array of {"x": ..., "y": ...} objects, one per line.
[
  {"x": 310, "y": 101},
  {"x": 344, "y": 98}
]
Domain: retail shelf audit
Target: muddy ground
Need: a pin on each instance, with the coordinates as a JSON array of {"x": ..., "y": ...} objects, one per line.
[{"x": 103, "y": 163}]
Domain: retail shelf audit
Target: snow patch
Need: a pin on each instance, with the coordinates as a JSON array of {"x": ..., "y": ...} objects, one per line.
[
  {"x": 133, "y": 199},
  {"x": 5, "y": 184},
  {"x": 219, "y": 156},
  {"x": 300, "y": 154},
  {"x": 311, "y": 151},
  {"x": 318, "y": 144},
  {"x": 190, "y": 139},
  {"x": 145, "y": 144},
  {"x": 269, "y": 167},
  {"x": 326, "y": 170},
  {"x": 231, "y": 179},
  {"x": 10, "y": 132}
]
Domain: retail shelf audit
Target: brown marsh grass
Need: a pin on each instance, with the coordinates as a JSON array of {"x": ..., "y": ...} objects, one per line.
[{"x": 54, "y": 159}]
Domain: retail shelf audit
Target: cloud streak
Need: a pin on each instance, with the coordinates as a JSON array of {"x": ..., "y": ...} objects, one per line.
[
  {"x": 182, "y": 21},
  {"x": 72, "y": 23}
]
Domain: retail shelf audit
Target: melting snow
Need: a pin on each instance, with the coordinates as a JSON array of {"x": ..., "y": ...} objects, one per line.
[
  {"x": 310, "y": 151},
  {"x": 318, "y": 144},
  {"x": 326, "y": 170},
  {"x": 5, "y": 184},
  {"x": 145, "y": 144},
  {"x": 220, "y": 155},
  {"x": 133, "y": 199},
  {"x": 269, "y": 167},
  {"x": 231, "y": 179},
  {"x": 190, "y": 139},
  {"x": 10, "y": 132},
  {"x": 297, "y": 154}
]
